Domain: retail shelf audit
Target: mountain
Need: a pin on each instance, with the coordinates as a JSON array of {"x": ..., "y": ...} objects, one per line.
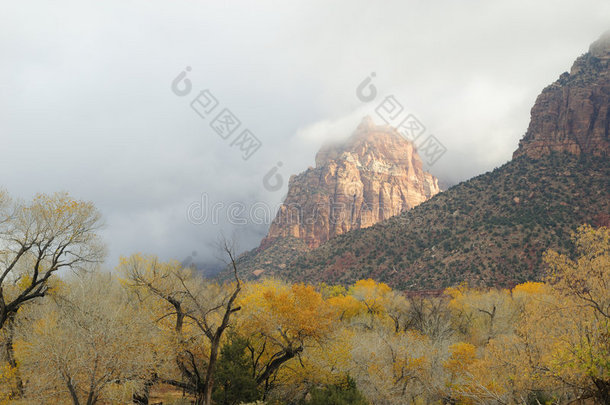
[
  {"x": 572, "y": 115},
  {"x": 494, "y": 228},
  {"x": 373, "y": 176},
  {"x": 491, "y": 230}
]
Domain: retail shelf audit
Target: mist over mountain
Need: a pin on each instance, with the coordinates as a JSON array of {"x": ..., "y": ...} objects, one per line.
[
  {"x": 87, "y": 106},
  {"x": 490, "y": 230}
]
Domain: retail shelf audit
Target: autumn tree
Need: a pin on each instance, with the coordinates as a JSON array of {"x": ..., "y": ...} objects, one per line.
[
  {"x": 392, "y": 368},
  {"x": 193, "y": 312},
  {"x": 390, "y": 357},
  {"x": 558, "y": 346},
  {"x": 281, "y": 323},
  {"x": 581, "y": 355},
  {"x": 38, "y": 239},
  {"x": 482, "y": 314},
  {"x": 429, "y": 316},
  {"x": 85, "y": 344}
]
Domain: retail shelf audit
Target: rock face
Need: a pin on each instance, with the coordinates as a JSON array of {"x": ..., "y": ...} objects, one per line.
[
  {"x": 373, "y": 176},
  {"x": 573, "y": 114}
]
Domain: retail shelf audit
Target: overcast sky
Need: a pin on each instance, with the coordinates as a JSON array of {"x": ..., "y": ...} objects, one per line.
[{"x": 86, "y": 104}]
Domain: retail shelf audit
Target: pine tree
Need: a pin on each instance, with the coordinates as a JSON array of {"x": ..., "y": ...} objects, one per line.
[{"x": 235, "y": 382}]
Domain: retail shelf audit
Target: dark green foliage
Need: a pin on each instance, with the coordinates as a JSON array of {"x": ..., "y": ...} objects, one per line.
[
  {"x": 340, "y": 394},
  {"x": 235, "y": 382}
]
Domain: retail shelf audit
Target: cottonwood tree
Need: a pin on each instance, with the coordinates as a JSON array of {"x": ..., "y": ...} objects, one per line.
[
  {"x": 390, "y": 367},
  {"x": 37, "y": 239},
  {"x": 281, "y": 322},
  {"x": 558, "y": 346},
  {"x": 194, "y": 314},
  {"x": 482, "y": 314},
  {"x": 85, "y": 344},
  {"x": 429, "y": 316},
  {"x": 582, "y": 285},
  {"x": 395, "y": 343}
]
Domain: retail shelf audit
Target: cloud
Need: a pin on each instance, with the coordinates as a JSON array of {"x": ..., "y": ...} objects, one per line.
[{"x": 86, "y": 106}]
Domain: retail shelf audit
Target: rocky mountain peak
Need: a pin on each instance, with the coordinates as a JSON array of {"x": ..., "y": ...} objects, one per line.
[
  {"x": 372, "y": 176},
  {"x": 371, "y": 145},
  {"x": 573, "y": 114},
  {"x": 366, "y": 124}
]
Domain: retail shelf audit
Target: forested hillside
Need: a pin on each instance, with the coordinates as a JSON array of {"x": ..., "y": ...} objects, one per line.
[{"x": 489, "y": 231}]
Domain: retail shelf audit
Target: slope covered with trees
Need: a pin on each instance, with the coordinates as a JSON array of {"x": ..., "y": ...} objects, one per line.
[{"x": 489, "y": 231}]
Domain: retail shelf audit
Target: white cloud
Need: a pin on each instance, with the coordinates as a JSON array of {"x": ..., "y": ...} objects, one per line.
[{"x": 85, "y": 101}]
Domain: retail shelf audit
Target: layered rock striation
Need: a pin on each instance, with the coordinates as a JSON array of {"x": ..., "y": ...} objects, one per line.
[
  {"x": 373, "y": 176},
  {"x": 573, "y": 114}
]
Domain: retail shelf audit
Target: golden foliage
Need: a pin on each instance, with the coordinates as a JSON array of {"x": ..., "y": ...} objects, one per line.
[{"x": 548, "y": 340}]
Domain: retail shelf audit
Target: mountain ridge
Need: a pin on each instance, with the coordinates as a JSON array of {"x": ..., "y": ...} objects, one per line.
[
  {"x": 493, "y": 228},
  {"x": 370, "y": 177}
]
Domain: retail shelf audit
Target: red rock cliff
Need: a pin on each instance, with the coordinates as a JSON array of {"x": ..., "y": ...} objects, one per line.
[
  {"x": 374, "y": 175},
  {"x": 573, "y": 114}
]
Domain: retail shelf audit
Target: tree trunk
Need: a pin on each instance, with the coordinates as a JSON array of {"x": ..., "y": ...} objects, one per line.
[
  {"x": 208, "y": 383},
  {"x": 603, "y": 390},
  {"x": 8, "y": 355},
  {"x": 91, "y": 398},
  {"x": 141, "y": 398},
  {"x": 275, "y": 364},
  {"x": 73, "y": 394}
]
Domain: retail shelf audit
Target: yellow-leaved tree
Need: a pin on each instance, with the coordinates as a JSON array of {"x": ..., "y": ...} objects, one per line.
[
  {"x": 282, "y": 323},
  {"x": 84, "y": 344},
  {"x": 559, "y": 347},
  {"x": 581, "y": 353},
  {"x": 38, "y": 239},
  {"x": 192, "y": 313}
]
